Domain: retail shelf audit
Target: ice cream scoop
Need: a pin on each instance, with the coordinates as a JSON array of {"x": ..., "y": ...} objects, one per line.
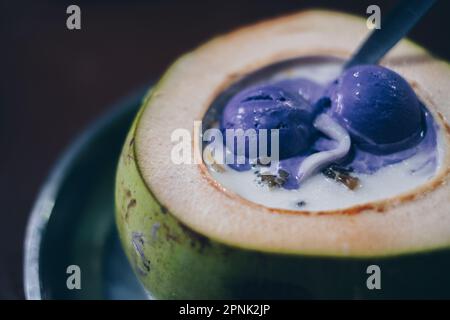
[
  {"x": 378, "y": 107},
  {"x": 272, "y": 107},
  {"x": 369, "y": 110}
]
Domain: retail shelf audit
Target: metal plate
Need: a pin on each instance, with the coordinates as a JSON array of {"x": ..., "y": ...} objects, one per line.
[{"x": 72, "y": 222}]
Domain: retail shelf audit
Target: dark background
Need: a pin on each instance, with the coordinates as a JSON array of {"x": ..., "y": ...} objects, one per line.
[{"x": 53, "y": 81}]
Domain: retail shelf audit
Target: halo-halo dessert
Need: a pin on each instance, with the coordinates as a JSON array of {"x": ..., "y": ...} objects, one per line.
[{"x": 188, "y": 235}]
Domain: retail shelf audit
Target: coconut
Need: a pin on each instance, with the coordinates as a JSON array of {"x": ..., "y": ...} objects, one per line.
[{"x": 188, "y": 237}]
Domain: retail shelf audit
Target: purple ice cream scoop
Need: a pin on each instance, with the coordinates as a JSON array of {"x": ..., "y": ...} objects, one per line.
[
  {"x": 272, "y": 107},
  {"x": 378, "y": 108},
  {"x": 369, "y": 117}
]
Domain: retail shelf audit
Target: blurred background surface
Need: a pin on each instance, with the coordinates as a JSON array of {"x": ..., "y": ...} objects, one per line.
[{"x": 53, "y": 81}]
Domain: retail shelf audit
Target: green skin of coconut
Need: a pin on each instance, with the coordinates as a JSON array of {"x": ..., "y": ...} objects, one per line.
[{"x": 175, "y": 262}]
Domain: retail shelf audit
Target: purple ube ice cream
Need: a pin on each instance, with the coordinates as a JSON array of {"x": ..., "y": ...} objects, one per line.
[
  {"x": 378, "y": 107},
  {"x": 272, "y": 107},
  {"x": 366, "y": 119}
]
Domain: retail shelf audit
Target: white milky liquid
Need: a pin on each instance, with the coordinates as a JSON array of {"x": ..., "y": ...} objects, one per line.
[{"x": 318, "y": 192}]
